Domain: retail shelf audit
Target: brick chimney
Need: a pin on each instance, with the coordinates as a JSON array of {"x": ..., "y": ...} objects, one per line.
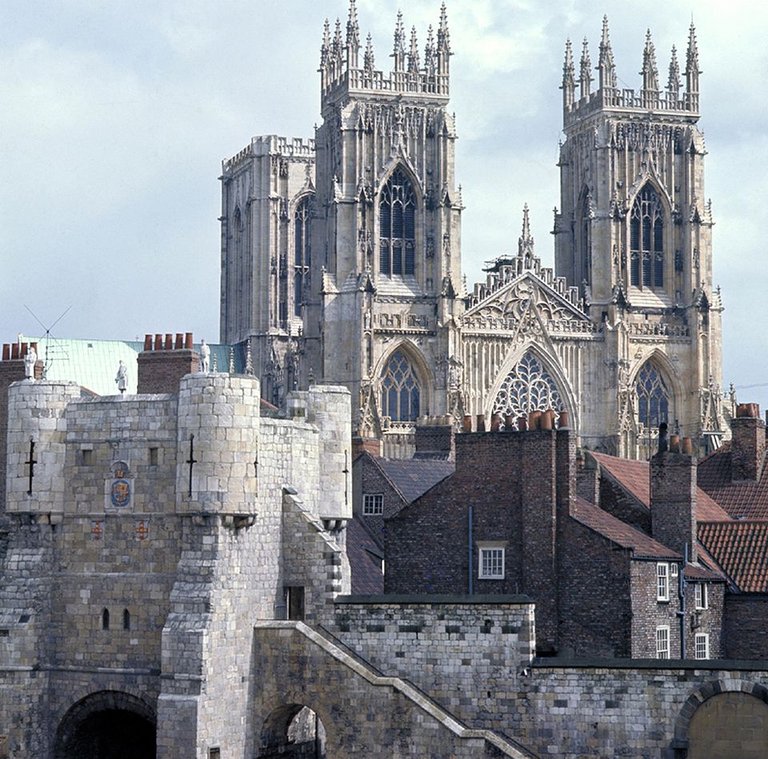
[
  {"x": 673, "y": 500},
  {"x": 163, "y": 362},
  {"x": 747, "y": 442},
  {"x": 435, "y": 438}
]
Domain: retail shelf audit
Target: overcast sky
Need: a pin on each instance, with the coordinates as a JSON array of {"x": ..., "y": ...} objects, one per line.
[{"x": 115, "y": 116}]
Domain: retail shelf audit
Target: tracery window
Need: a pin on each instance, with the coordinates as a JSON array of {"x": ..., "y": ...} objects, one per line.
[
  {"x": 646, "y": 240},
  {"x": 400, "y": 391},
  {"x": 397, "y": 226},
  {"x": 528, "y": 387},
  {"x": 302, "y": 252},
  {"x": 652, "y": 397}
]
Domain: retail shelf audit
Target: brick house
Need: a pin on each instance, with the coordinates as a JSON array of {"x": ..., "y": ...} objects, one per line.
[{"x": 509, "y": 520}]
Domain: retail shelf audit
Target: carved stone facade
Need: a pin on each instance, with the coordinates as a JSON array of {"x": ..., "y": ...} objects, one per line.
[{"x": 342, "y": 257}]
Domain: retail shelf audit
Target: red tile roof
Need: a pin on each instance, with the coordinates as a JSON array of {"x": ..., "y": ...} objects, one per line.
[
  {"x": 603, "y": 523},
  {"x": 741, "y": 550},
  {"x": 743, "y": 499},
  {"x": 634, "y": 477}
]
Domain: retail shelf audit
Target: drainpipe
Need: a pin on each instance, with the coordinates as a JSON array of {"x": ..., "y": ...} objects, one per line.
[
  {"x": 681, "y": 595},
  {"x": 470, "y": 576}
]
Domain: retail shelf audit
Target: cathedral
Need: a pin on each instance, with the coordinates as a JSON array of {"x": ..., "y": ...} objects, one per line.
[{"x": 341, "y": 256}]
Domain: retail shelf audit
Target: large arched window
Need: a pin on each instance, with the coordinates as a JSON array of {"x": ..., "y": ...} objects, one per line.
[
  {"x": 646, "y": 240},
  {"x": 528, "y": 387},
  {"x": 302, "y": 252},
  {"x": 652, "y": 397},
  {"x": 397, "y": 226},
  {"x": 400, "y": 391}
]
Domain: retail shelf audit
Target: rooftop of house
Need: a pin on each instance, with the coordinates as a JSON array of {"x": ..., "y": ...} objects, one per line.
[
  {"x": 742, "y": 499},
  {"x": 411, "y": 478},
  {"x": 634, "y": 476},
  {"x": 741, "y": 550},
  {"x": 365, "y": 559}
]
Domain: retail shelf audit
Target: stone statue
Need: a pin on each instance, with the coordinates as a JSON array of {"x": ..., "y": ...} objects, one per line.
[
  {"x": 205, "y": 357},
  {"x": 122, "y": 377},
  {"x": 30, "y": 359}
]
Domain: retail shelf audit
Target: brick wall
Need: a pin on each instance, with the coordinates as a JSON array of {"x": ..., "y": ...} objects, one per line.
[
  {"x": 747, "y": 443},
  {"x": 746, "y": 622},
  {"x": 163, "y": 363},
  {"x": 673, "y": 501},
  {"x": 368, "y": 478},
  {"x": 618, "y": 502}
]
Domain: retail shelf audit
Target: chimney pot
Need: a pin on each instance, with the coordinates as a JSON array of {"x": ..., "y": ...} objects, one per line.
[
  {"x": 481, "y": 422},
  {"x": 522, "y": 423},
  {"x": 158, "y": 342},
  {"x": 168, "y": 341},
  {"x": 674, "y": 443},
  {"x": 6, "y": 351},
  {"x": 188, "y": 343},
  {"x": 24, "y": 349},
  {"x": 147, "y": 342},
  {"x": 179, "y": 344},
  {"x": 495, "y": 422},
  {"x": 509, "y": 423},
  {"x": 687, "y": 446},
  {"x": 14, "y": 350},
  {"x": 545, "y": 420},
  {"x": 467, "y": 426},
  {"x": 562, "y": 421},
  {"x": 534, "y": 420}
]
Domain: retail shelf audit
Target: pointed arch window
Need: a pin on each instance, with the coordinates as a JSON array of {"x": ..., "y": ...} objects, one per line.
[
  {"x": 586, "y": 236},
  {"x": 646, "y": 240},
  {"x": 400, "y": 389},
  {"x": 302, "y": 252},
  {"x": 652, "y": 397},
  {"x": 528, "y": 387},
  {"x": 397, "y": 226}
]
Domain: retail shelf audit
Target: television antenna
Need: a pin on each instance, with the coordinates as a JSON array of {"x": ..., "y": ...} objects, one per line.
[{"x": 47, "y": 336}]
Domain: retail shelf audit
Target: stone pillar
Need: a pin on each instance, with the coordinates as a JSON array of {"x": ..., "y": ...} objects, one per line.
[{"x": 673, "y": 501}]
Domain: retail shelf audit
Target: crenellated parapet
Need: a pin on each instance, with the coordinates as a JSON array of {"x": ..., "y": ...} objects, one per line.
[
  {"x": 425, "y": 73},
  {"x": 580, "y": 100}
]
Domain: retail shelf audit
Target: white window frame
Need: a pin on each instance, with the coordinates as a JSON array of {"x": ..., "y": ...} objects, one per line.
[
  {"x": 489, "y": 549},
  {"x": 701, "y": 595},
  {"x": 674, "y": 571},
  {"x": 377, "y": 507},
  {"x": 701, "y": 646},
  {"x": 662, "y": 642},
  {"x": 662, "y": 581}
]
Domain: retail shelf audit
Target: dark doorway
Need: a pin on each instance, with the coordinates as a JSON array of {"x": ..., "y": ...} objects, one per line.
[{"x": 109, "y": 734}]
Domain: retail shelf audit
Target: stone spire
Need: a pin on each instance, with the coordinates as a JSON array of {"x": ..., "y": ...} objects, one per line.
[
  {"x": 525, "y": 242},
  {"x": 443, "y": 42},
  {"x": 399, "y": 50},
  {"x": 606, "y": 65},
  {"x": 353, "y": 37},
  {"x": 569, "y": 77},
  {"x": 673, "y": 85},
  {"x": 413, "y": 53},
  {"x": 692, "y": 71},
  {"x": 337, "y": 45},
  {"x": 650, "y": 73},
  {"x": 585, "y": 78}
]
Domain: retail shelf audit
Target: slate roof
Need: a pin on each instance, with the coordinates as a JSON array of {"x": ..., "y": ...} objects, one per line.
[
  {"x": 741, "y": 550},
  {"x": 364, "y": 560},
  {"x": 413, "y": 477},
  {"x": 743, "y": 499},
  {"x": 634, "y": 476},
  {"x": 624, "y": 535}
]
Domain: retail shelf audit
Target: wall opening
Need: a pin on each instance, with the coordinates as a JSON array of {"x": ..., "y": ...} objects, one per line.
[
  {"x": 293, "y": 731},
  {"x": 107, "y": 725}
]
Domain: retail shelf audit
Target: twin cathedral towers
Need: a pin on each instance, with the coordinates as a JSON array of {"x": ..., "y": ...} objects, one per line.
[{"x": 341, "y": 256}]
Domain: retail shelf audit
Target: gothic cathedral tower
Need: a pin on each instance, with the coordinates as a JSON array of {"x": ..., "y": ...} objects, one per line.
[
  {"x": 381, "y": 315},
  {"x": 634, "y": 233}
]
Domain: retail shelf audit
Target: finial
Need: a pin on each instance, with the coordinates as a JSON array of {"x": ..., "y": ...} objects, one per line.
[
  {"x": 606, "y": 65},
  {"x": 399, "y": 50},
  {"x": 413, "y": 53},
  {"x": 326, "y": 44},
  {"x": 337, "y": 45},
  {"x": 443, "y": 35},
  {"x": 585, "y": 66},
  {"x": 353, "y": 28},
  {"x": 673, "y": 85},
  {"x": 692, "y": 54},
  {"x": 368, "y": 55},
  {"x": 525, "y": 243},
  {"x": 650, "y": 72},
  {"x": 429, "y": 52}
]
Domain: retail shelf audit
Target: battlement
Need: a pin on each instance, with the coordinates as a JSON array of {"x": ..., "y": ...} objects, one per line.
[
  {"x": 341, "y": 72},
  {"x": 268, "y": 145},
  {"x": 674, "y": 99}
]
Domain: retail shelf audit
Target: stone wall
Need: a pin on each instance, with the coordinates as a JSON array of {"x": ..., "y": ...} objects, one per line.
[{"x": 465, "y": 652}]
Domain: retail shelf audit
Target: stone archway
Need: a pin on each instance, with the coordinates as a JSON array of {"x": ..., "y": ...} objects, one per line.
[
  {"x": 724, "y": 720},
  {"x": 107, "y": 725},
  {"x": 292, "y": 731}
]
